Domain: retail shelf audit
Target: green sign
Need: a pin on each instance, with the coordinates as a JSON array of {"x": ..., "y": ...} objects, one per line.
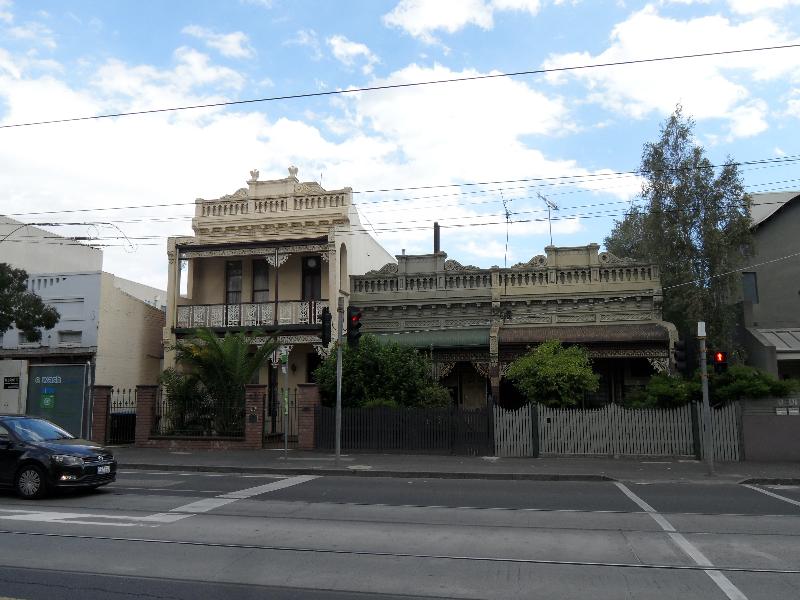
[{"x": 48, "y": 399}]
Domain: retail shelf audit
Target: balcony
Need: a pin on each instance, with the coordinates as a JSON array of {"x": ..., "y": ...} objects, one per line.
[{"x": 290, "y": 313}]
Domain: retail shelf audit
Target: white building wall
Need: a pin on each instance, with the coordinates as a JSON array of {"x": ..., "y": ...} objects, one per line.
[
  {"x": 129, "y": 338},
  {"x": 364, "y": 253},
  {"x": 76, "y": 296},
  {"x": 40, "y": 251}
]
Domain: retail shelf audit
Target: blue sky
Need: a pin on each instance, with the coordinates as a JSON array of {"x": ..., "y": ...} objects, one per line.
[{"x": 65, "y": 59}]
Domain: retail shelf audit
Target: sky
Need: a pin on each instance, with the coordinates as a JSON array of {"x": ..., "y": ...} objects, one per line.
[{"x": 479, "y": 157}]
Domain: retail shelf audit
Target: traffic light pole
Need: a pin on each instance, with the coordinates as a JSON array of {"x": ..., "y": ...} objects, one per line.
[
  {"x": 340, "y": 326},
  {"x": 708, "y": 444}
]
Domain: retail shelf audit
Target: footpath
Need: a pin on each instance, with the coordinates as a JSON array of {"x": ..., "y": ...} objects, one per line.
[{"x": 297, "y": 462}]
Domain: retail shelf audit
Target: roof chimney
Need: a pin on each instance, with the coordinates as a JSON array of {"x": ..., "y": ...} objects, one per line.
[{"x": 436, "y": 246}]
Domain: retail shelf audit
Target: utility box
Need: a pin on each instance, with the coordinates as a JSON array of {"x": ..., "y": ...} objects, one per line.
[{"x": 14, "y": 388}]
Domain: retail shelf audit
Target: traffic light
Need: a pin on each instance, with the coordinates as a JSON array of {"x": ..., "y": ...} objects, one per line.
[
  {"x": 679, "y": 355},
  {"x": 326, "y": 326},
  {"x": 353, "y": 326},
  {"x": 720, "y": 360}
]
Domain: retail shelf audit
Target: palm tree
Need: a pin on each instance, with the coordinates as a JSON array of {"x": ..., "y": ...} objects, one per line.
[{"x": 210, "y": 394}]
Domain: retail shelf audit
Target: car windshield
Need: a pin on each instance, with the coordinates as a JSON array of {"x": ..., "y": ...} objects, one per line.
[{"x": 37, "y": 430}]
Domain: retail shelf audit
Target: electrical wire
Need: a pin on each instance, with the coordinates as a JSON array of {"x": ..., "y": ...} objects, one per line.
[{"x": 395, "y": 86}]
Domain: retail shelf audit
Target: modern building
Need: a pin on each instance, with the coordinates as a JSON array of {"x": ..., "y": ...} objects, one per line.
[
  {"x": 474, "y": 322},
  {"x": 109, "y": 331},
  {"x": 771, "y": 288},
  {"x": 268, "y": 258}
]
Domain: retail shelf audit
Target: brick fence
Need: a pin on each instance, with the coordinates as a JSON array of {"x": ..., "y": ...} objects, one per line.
[
  {"x": 146, "y": 396},
  {"x": 100, "y": 401},
  {"x": 307, "y": 403}
]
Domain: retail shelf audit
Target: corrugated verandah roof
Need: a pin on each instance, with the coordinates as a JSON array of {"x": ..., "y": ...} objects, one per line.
[
  {"x": 443, "y": 338},
  {"x": 644, "y": 332}
]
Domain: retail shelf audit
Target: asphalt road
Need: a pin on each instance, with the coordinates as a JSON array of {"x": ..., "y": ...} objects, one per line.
[{"x": 211, "y": 535}]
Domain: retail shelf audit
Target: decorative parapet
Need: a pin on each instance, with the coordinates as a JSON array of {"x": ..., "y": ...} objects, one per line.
[{"x": 275, "y": 199}]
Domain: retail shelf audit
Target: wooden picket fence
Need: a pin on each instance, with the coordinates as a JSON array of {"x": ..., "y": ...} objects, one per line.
[
  {"x": 514, "y": 432},
  {"x": 615, "y": 431},
  {"x": 724, "y": 424}
]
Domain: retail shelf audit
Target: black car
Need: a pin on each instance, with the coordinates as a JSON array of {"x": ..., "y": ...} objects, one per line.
[{"x": 36, "y": 456}]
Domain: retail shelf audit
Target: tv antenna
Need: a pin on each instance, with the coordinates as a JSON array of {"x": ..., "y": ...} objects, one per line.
[
  {"x": 550, "y": 206},
  {"x": 508, "y": 222}
]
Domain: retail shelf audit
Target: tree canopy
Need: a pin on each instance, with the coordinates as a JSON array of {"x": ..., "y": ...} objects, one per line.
[
  {"x": 375, "y": 374},
  {"x": 554, "y": 375},
  {"x": 694, "y": 224},
  {"x": 21, "y": 308}
]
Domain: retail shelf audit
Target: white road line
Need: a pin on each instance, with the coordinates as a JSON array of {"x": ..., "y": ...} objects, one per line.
[
  {"x": 208, "y": 504},
  {"x": 773, "y": 494},
  {"x": 723, "y": 583}
]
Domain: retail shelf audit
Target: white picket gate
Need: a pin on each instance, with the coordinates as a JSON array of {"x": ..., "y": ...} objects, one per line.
[
  {"x": 613, "y": 430},
  {"x": 513, "y": 432},
  {"x": 725, "y": 425}
]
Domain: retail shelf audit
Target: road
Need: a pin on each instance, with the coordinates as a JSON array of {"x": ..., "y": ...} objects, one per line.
[{"x": 211, "y": 535}]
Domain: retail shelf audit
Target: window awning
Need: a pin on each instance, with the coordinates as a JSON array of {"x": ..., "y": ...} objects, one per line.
[
  {"x": 785, "y": 341},
  {"x": 443, "y": 338}
]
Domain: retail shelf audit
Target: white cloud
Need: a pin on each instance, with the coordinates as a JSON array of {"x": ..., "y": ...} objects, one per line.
[
  {"x": 34, "y": 32},
  {"x": 755, "y": 6},
  {"x": 232, "y": 45},
  {"x": 707, "y": 87},
  {"x": 421, "y": 18},
  {"x": 309, "y": 39},
  {"x": 5, "y": 11},
  {"x": 348, "y": 52}
]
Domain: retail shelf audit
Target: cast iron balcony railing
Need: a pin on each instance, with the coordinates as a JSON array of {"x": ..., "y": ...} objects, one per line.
[{"x": 251, "y": 314}]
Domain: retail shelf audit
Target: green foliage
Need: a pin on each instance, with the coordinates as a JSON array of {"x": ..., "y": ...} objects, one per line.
[
  {"x": 664, "y": 391},
  {"x": 375, "y": 374},
  {"x": 694, "y": 225},
  {"x": 554, "y": 375},
  {"x": 207, "y": 395},
  {"x": 739, "y": 382},
  {"x": 222, "y": 365},
  {"x": 22, "y": 308}
]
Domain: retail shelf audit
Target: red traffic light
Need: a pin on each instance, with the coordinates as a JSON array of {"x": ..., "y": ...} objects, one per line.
[{"x": 720, "y": 357}]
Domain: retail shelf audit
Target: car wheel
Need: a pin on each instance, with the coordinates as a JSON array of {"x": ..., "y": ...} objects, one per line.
[{"x": 30, "y": 482}]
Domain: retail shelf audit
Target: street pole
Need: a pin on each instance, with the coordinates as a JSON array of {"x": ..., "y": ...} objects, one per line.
[
  {"x": 339, "y": 327},
  {"x": 708, "y": 444},
  {"x": 285, "y": 367}
]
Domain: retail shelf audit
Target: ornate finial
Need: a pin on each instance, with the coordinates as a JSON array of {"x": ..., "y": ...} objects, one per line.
[
  {"x": 254, "y": 175},
  {"x": 293, "y": 171}
]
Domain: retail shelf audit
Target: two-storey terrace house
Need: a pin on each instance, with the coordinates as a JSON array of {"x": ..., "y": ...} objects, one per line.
[
  {"x": 268, "y": 258},
  {"x": 474, "y": 322}
]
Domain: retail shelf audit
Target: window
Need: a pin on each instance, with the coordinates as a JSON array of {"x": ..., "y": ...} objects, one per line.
[
  {"x": 70, "y": 337},
  {"x": 750, "y": 287},
  {"x": 260, "y": 281},
  {"x": 23, "y": 339},
  {"x": 4, "y": 433},
  {"x": 233, "y": 282}
]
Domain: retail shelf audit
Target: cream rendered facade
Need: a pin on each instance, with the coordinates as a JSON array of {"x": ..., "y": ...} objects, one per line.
[{"x": 269, "y": 257}]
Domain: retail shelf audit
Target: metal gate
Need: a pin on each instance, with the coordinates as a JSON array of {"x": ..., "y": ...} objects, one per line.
[
  {"x": 281, "y": 417},
  {"x": 424, "y": 430},
  {"x": 121, "y": 424}
]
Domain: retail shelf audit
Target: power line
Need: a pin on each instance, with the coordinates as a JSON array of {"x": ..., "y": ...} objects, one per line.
[
  {"x": 558, "y": 180},
  {"x": 761, "y": 264},
  {"x": 394, "y": 86}
]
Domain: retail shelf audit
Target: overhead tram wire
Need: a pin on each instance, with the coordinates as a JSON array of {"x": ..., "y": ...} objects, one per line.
[
  {"x": 769, "y": 162},
  {"x": 395, "y": 86}
]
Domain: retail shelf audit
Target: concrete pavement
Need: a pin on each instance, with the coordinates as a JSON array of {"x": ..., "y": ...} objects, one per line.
[{"x": 457, "y": 467}]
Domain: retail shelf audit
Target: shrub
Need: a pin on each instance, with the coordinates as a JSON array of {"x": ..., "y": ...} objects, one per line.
[{"x": 554, "y": 375}]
